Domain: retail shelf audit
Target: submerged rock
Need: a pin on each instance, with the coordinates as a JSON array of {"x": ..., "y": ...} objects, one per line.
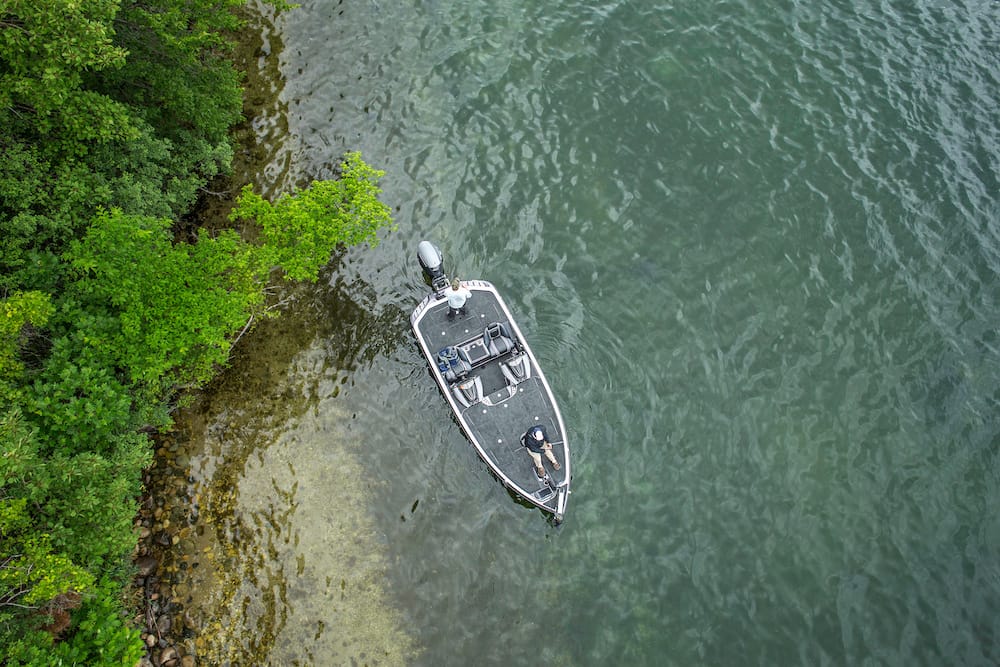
[
  {"x": 147, "y": 565},
  {"x": 163, "y": 624},
  {"x": 168, "y": 657}
]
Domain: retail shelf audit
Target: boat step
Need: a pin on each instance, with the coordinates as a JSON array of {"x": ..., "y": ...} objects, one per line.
[{"x": 544, "y": 494}]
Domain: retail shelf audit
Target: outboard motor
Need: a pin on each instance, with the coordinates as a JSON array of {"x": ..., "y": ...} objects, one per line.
[{"x": 431, "y": 261}]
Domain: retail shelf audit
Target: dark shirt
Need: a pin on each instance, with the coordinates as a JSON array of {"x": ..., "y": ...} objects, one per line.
[{"x": 531, "y": 443}]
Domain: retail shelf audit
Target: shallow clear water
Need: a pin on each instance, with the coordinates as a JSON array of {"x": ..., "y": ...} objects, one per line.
[{"x": 755, "y": 247}]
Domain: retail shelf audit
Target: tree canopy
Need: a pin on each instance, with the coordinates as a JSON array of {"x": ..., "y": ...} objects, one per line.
[
  {"x": 113, "y": 114},
  {"x": 300, "y": 230}
]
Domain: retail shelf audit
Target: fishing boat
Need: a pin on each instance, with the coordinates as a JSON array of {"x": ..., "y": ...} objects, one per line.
[{"x": 494, "y": 385}]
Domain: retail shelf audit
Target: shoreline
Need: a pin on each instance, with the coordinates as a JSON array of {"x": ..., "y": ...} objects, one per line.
[
  {"x": 161, "y": 617},
  {"x": 257, "y": 543},
  {"x": 198, "y": 546}
]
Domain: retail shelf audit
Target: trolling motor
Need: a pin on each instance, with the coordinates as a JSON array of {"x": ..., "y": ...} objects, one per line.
[{"x": 431, "y": 261}]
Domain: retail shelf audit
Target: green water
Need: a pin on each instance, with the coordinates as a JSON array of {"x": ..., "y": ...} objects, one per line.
[{"x": 755, "y": 247}]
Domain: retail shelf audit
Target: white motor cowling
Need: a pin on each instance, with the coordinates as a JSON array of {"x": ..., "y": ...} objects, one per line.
[
  {"x": 432, "y": 262},
  {"x": 431, "y": 259}
]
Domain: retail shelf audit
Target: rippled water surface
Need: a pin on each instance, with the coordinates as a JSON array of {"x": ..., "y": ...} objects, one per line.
[{"x": 756, "y": 248}]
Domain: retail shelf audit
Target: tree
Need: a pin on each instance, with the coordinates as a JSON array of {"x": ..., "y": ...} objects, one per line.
[
  {"x": 106, "y": 104},
  {"x": 33, "y": 576},
  {"x": 300, "y": 231},
  {"x": 113, "y": 113},
  {"x": 48, "y": 49},
  {"x": 125, "y": 107},
  {"x": 173, "y": 305}
]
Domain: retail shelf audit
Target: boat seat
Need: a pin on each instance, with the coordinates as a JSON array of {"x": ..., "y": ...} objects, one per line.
[
  {"x": 469, "y": 391},
  {"x": 516, "y": 369},
  {"x": 497, "y": 339},
  {"x": 453, "y": 363}
]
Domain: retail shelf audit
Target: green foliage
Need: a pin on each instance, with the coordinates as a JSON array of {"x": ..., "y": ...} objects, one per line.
[
  {"x": 302, "y": 230},
  {"x": 25, "y": 646},
  {"x": 31, "y": 573},
  {"x": 106, "y": 104},
  {"x": 43, "y": 202},
  {"x": 126, "y": 107},
  {"x": 32, "y": 570},
  {"x": 184, "y": 94},
  {"x": 100, "y": 634},
  {"x": 48, "y": 49},
  {"x": 77, "y": 401},
  {"x": 63, "y": 519},
  {"x": 113, "y": 114},
  {"x": 85, "y": 501},
  {"x": 160, "y": 177},
  {"x": 177, "y": 73},
  {"x": 175, "y": 304},
  {"x": 18, "y": 311},
  {"x": 80, "y": 505}
]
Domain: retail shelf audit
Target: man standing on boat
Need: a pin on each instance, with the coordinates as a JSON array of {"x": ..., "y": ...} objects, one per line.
[
  {"x": 537, "y": 442},
  {"x": 457, "y": 295}
]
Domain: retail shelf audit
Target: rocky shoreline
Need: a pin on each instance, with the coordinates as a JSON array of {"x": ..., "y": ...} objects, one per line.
[{"x": 167, "y": 629}]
